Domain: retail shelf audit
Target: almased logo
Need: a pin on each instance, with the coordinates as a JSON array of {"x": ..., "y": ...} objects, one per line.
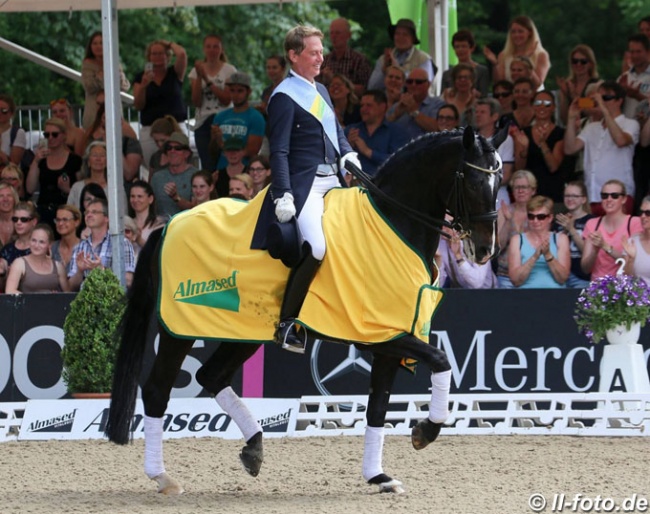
[
  {"x": 218, "y": 293},
  {"x": 62, "y": 423}
]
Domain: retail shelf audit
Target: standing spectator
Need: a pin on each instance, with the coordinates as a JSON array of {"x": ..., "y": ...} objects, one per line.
[
  {"x": 605, "y": 234},
  {"x": 464, "y": 46},
  {"x": 373, "y": 138},
  {"x": 92, "y": 77},
  {"x": 583, "y": 71},
  {"x": 537, "y": 257},
  {"x": 68, "y": 219},
  {"x": 523, "y": 41},
  {"x": 241, "y": 186},
  {"x": 157, "y": 90},
  {"x": 209, "y": 93},
  {"x": 345, "y": 101},
  {"x": 234, "y": 152},
  {"x": 636, "y": 81},
  {"x": 13, "y": 175},
  {"x": 342, "y": 60},
  {"x": 276, "y": 68},
  {"x": 403, "y": 54},
  {"x": 608, "y": 145},
  {"x": 172, "y": 185},
  {"x": 53, "y": 171},
  {"x": 394, "y": 84},
  {"x": 13, "y": 140},
  {"x": 8, "y": 201},
  {"x": 637, "y": 247},
  {"x": 242, "y": 120},
  {"x": 74, "y": 136},
  {"x": 461, "y": 94},
  {"x": 448, "y": 117},
  {"x": 142, "y": 208},
  {"x": 523, "y": 113},
  {"x": 37, "y": 272},
  {"x": 416, "y": 111},
  {"x": 96, "y": 250},
  {"x": 24, "y": 219},
  {"x": 202, "y": 187},
  {"x": 161, "y": 131},
  {"x": 502, "y": 91},
  {"x": 572, "y": 224},
  {"x": 260, "y": 171}
]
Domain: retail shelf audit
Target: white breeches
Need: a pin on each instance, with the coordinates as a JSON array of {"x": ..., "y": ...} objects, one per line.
[{"x": 310, "y": 219}]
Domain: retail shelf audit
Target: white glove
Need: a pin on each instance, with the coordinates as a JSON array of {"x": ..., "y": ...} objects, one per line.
[
  {"x": 352, "y": 157},
  {"x": 284, "y": 208}
]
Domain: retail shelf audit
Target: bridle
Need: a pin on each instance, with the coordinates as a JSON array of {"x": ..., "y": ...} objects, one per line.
[{"x": 460, "y": 214}]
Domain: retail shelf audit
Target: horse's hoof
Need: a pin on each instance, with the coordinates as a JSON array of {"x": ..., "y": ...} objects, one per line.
[
  {"x": 167, "y": 485},
  {"x": 424, "y": 433},
  {"x": 252, "y": 455},
  {"x": 387, "y": 484}
]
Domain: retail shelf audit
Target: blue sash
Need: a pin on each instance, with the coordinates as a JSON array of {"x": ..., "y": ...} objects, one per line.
[{"x": 313, "y": 102}]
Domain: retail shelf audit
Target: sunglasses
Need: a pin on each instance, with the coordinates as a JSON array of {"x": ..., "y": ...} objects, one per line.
[
  {"x": 545, "y": 103},
  {"x": 175, "y": 148},
  {"x": 22, "y": 219},
  {"x": 615, "y": 196},
  {"x": 540, "y": 217},
  {"x": 48, "y": 135},
  {"x": 505, "y": 94},
  {"x": 5, "y": 111},
  {"x": 59, "y": 101},
  {"x": 644, "y": 213},
  {"x": 607, "y": 98},
  {"x": 416, "y": 81},
  {"x": 584, "y": 62}
]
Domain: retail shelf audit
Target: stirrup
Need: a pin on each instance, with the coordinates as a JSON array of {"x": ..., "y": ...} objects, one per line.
[{"x": 287, "y": 337}]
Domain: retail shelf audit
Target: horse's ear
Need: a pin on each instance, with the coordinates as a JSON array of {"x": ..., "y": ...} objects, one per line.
[
  {"x": 500, "y": 137},
  {"x": 468, "y": 138}
]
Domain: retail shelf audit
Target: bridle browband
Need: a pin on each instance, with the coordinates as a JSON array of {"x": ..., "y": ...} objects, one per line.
[{"x": 461, "y": 213}]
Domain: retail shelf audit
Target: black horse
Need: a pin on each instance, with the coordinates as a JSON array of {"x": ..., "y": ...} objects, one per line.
[{"x": 455, "y": 172}]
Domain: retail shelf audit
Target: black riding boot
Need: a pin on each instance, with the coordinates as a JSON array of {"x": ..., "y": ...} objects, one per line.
[{"x": 300, "y": 278}]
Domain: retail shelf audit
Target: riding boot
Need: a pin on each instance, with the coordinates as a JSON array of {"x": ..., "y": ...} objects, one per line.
[{"x": 300, "y": 278}]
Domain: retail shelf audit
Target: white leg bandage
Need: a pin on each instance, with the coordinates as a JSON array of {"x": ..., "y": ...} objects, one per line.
[
  {"x": 373, "y": 450},
  {"x": 235, "y": 408},
  {"x": 153, "y": 452},
  {"x": 439, "y": 406}
]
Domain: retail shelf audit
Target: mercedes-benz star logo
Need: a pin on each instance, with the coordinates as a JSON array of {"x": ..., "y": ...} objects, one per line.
[{"x": 353, "y": 362}]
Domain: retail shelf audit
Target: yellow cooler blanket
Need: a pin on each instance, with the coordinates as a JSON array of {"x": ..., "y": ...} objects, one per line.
[{"x": 372, "y": 286}]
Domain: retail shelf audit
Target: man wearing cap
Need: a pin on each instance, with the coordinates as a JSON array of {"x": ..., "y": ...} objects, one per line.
[
  {"x": 308, "y": 151},
  {"x": 241, "y": 120},
  {"x": 404, "y": 54},
  {"x": 172, "y": 185}
]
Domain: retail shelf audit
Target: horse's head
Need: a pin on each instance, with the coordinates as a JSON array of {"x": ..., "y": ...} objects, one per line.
[{"x": 473, "y": 201}]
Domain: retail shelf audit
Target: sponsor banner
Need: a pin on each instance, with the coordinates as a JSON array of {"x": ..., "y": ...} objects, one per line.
[{"x": 185, "y": 417}]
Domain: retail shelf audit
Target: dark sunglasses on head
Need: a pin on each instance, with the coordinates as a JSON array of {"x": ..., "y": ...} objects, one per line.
[
  {"x": 22, "y": 219},
  {"x": 416, "y": 81},
  {"x": 48, "y": 135},
  {"x": 545, "y": 103},
  {"x": 505, "y": 94},
  {"x": 540, "y": 217},
  {"x": 607, "y": 98},
  {"x": 5, "y": 111},
  {"x": 63, "y": 101},
  {"x": 615, "y": 196},
  {"x": 580, "y": 61},
  {"x": 644, "y": 213}
]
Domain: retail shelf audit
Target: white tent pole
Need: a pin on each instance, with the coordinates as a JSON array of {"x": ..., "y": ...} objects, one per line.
[{"x": 113, "y": 135}]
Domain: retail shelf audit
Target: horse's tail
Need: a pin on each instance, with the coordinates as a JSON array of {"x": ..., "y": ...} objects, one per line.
[{"x": 133, "y": 329}]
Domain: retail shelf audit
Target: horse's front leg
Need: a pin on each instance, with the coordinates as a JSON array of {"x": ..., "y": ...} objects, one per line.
[{"x": 382, "y": 377}]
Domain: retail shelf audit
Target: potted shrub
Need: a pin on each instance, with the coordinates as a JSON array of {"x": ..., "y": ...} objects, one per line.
[
  {"x": 613, "y": 305},
  {"x": 90, "y": 333}
]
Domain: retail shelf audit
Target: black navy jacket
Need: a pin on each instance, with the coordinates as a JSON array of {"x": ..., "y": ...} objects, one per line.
[{"x": 298, "y": 145}]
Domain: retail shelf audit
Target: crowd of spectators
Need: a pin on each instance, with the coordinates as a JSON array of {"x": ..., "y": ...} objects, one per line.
[{"x": 576, "y": 170}]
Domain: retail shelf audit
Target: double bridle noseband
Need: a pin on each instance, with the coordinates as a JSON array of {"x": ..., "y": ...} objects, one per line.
[{"x": 460, "y": 213}]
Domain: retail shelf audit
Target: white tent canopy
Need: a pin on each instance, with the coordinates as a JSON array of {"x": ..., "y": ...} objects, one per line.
[{"x": 7, "y": 6}]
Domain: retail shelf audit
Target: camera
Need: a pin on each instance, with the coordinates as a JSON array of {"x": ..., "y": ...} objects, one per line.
[{"x": 586, "y": 103}]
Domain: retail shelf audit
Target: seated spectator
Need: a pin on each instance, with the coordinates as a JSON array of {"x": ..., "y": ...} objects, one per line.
[
  {"x": 522, "y": 114},
  {"x": 523, "y": 41},
  {"x": 448, "y": 117},
  {"x": 605, "y": 234},
  {"x": 521, "y": 68},
  {"x": 132, "y": 234},
  {"x": 637, "y": 247},
  {"x": 241, "y": 186},
  {"x": 373, "y": 138},
  {"x": 37, "y": 272},
  {"x": 89, "y": 194},
  {"x": 416, "y": 111},
  {"x": 96, "y": 250},
  {"x": 13, "y": 175},
  {"x": 68, "y": 220},
  {"x": 513, "y": 219},
  {"x": 74, "y": 136},
  {"x": 142, "y": 208},
  {"x": 539, "y": 258},
  {"x": 502, "y": 91},
  {"x": 345, "y": 101},
  {"x": 53, "y": 172},
  {"x": 24, "y": 219},
  {"x": 394, "y": 84},
  {"x": 464, "y": 46},
  {"x": 8, "y": 201},
  {"x": 461, "y": 94},
  {"x": 636, "y": 80},
  {"x": 608, "y": 145},
  {"x": 172, "y": 185},
  {"x": 260, "y": 171},
  {"x": 234, "y": 152},
  {"x": 161, "y": 131},
  {"x": 583, "y": 70},
  {"x": 276, "y": 70},
  {"x": 202, "y": 187},
  {"x": 13, "y": 140},
  {"x": 403, "y": 54},
  {"x": 540, "y": 148},
  {"x": 572, "y": 223}
]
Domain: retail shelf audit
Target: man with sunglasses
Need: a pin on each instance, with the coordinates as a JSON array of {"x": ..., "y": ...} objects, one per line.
[
  {"x": 172, "y": 185},
  {"x": 608, "y": 144}
]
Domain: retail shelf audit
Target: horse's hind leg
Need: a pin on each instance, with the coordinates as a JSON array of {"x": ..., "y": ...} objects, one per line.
[
  {"x": 382, "y": 376},
  {"x": 155, "y": 396},
  {"x": 216, "y": 376}
]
